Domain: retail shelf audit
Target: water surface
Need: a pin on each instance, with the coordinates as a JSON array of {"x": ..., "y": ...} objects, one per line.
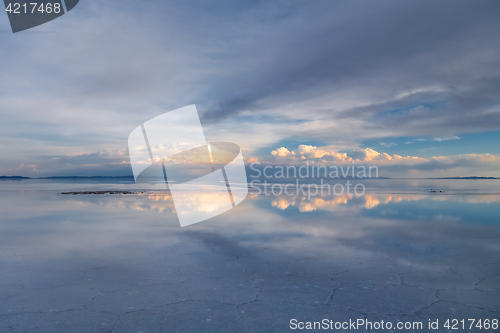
[{"x": 100, "y": 263}]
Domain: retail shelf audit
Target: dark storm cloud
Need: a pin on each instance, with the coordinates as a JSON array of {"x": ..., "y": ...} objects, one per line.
[{"x": 385, "y": 47}]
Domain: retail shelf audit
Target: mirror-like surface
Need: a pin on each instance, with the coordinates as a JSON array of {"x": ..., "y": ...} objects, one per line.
[{"x": 101, "y": 263}]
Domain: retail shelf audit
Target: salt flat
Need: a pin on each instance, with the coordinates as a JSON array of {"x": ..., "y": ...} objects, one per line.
[{"x": 121, "y": 263}]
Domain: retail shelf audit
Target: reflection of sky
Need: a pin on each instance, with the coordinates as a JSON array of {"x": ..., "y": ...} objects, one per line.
[
  {"x": 402, "y": 206},
  {"x": 431, "y": 210},
  {"x": 425, "y": 207},
  {"x": 477, "y": 208},
  {"x": 139, "y": 234},
  {"x": 482, "y": 209},
  {"x": 257, "y": 219},
  {"x": 62, "y": 222}
]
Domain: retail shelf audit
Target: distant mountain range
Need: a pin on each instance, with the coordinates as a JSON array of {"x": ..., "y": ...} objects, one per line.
[
  {"x": 132, "y": 177},
  {"x": 473, "y": 177},
  {"x": 14, "y": 177},
  {"x": 66, "y": 177}
]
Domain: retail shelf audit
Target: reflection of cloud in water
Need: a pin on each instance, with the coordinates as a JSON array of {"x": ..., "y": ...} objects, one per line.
[
  {"x": 309, "y": 205},
  {"x": 102, "y": 252},
  {"x": 202, "y": 202},
  {"x": 369, "y": 201},
  {"x": 160, "y": 202}
]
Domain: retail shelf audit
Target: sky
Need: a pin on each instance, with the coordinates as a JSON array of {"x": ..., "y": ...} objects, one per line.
[{"x": 410, "y": 86}]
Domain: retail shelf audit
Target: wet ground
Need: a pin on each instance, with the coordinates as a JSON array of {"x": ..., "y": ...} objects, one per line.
[{"x": 121, "y": 263}]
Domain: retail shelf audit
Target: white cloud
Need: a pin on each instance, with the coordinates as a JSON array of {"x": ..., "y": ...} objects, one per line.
[{"x": 395, "y": 165}]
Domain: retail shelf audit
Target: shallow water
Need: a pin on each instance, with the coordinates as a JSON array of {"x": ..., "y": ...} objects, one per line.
[{"x": 96, "y": 263}]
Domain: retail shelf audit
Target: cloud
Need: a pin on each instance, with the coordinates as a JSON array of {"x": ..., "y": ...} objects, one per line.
[
  {"x": 328, "y": 154},
  {"x": 306, "y": 152},
  {"x": 282, "y": 152},
  {"x": 449, "y": 138},
  {"x": 108, "y": 162},
  {"x": 259, "y": 72},
  {"x": 27, "y": 167},
  {"x": 388, "y": 144},
  {"x": 402, "y": 166}
]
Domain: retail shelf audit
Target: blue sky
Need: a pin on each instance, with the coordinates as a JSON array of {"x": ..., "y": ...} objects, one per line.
[
  {"x": 411, "y": 86},
  {"x": 479, "y": 143}
]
